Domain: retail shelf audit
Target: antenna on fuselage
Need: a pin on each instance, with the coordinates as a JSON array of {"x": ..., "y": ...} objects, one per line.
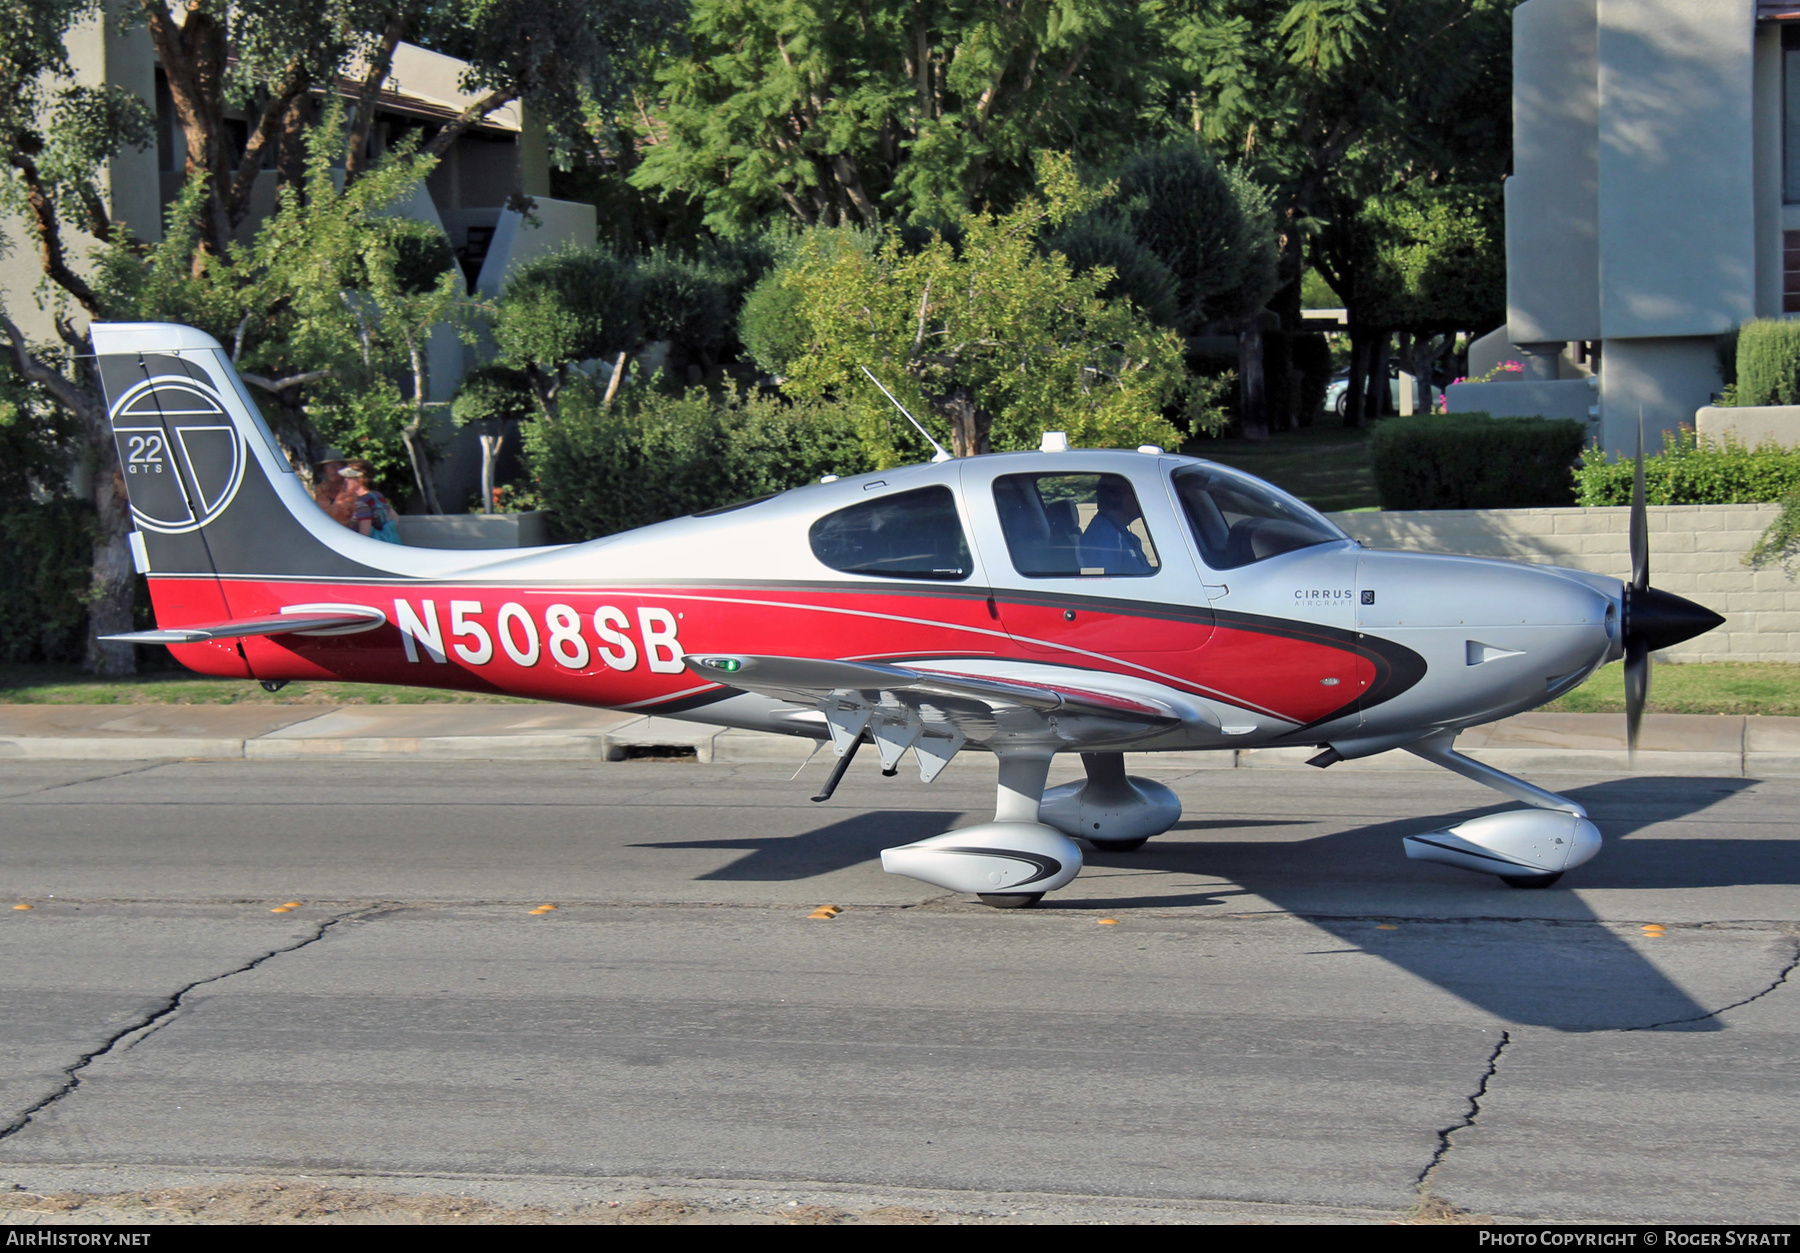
[{"x": 941, "y": 454}]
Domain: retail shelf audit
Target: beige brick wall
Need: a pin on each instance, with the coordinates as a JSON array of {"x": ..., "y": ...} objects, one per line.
[{"x": 1696, "y": 551}]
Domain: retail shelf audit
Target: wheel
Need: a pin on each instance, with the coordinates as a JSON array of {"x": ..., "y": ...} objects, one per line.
[
  {"x": 1119, "y": 846},
  {"x": 1530, "y": 880},
  {"x": 1010, "y": 900},
  {"x": 1343, "y": 403}
]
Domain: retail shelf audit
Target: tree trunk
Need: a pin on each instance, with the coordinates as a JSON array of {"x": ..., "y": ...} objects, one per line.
[
  {"x": 969, "y": 423},
  {"x": 1380, "y": 395},
  {"x": 290, "y": 148},
  {"x": 612, "y": 383},
  {"x": 112, "y": 585},
  {"x": 490, "y": 454},
  {"x": 1254, "y": 406},
  {"x": 411, "y": 435},
  {"x": 1356, "y": 387}
]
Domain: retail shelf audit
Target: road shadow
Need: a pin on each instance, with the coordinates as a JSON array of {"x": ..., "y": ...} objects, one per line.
[
  {"x": 1525, "y": 957},
  {"x": 835, "y": 846},
  {"x": 1522, "y": 956}
]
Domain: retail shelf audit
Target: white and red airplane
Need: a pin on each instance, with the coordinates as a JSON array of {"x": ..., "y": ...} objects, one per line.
[{"x": 1022, "y": 604}]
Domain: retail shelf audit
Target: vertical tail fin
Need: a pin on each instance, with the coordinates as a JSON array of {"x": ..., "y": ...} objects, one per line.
[{"x": 211, "y": 492}]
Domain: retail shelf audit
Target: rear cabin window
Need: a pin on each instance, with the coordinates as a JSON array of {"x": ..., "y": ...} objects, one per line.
[
  {"x": 909, "y": 535},
  {"x": 1071, "y": 526}
]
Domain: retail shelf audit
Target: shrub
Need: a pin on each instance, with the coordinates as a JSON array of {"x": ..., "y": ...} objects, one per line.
[
  {"x": 1103, "y": 238},
  {"x": 681, "y": 302},
  {"x": 1474, "y": 461},
  {"x": 1212, "y": 226},
  {"x": 45, "y": 553},
  {"x": 1768, "y": 363},
  {"x": 1688, "y": 472},
  {"x": 567, "y": 307},
  {"x": 657, "y": 456},
  {"x": 770, "y": 325}
]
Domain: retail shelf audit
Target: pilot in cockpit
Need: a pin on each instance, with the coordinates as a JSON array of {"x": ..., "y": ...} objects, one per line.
[{"x": 1108, "y": 544}]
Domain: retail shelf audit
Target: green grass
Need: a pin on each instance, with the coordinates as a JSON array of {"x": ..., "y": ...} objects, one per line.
[
  {"x": 1724, "y": 687},
  {"x": 1711, "y": 688},
  {"x": 1327, "y": 466},
  {"x": 68, "y": 685}
]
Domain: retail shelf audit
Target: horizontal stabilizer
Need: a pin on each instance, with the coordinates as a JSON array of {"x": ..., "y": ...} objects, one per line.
[{"x": 307, "y": 619}]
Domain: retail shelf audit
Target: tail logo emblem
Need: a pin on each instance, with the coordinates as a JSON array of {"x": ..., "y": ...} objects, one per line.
[{"x": 181, "y": 454}]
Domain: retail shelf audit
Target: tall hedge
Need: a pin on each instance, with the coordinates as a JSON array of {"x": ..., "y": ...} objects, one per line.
[
  {"x": 1688, "y": 472},
  {"x": 602, "y": 471},
  {"x": 45, "y": 553},
  {"x": 1768, "y": 363},
  {"x": 1474, "y": 461}
]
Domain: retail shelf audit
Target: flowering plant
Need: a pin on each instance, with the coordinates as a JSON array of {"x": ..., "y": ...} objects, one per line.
[{"x": 1505, "y": 367}]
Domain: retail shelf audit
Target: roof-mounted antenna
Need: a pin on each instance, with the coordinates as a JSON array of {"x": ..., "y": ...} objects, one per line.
[{"x": 941, "y": 454}]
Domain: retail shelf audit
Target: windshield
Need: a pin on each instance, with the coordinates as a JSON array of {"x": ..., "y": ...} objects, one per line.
[{"x": 1237, "y": 520}]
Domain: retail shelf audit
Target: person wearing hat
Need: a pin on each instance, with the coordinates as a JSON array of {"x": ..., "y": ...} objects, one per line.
[
  {"x": 328, "y": 487},
  {"x": 370, "y": 513}
]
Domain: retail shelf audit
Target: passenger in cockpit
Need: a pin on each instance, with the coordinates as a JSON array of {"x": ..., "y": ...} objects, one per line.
[{"x": 1108, "y": 543}]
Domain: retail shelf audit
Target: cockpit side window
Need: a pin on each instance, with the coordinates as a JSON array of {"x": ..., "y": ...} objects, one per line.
[
  {"x": 1070, "y": 526},
  {"x": 909, "y": 535},
  {"x": 1237, "y": 521}
]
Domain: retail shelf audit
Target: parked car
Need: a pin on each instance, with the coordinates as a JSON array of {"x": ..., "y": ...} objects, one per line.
[{"x": 1338, "y": 392}]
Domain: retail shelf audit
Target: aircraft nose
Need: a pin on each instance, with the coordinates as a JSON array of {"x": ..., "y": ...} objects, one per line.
[{"x": 1663, "y": 619}]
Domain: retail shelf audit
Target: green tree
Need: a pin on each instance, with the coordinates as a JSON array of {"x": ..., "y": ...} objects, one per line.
[
  {"x": 1334, "y": 102},
  {"x": 567, "y": 59},
  {"x": 1426, "y": 262},
  {"x": 892, "y": 109},
  {"x": 1211, "y": 225},
  {"x": 993, "y": 338},
  {"x": 326, "y": 312},
  {"x": 55, "y": 137},
  {"x": 563, "y": 309}
]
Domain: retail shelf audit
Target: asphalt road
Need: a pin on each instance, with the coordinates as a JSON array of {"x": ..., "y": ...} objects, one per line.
[{"x": 1288, "y": 1019}]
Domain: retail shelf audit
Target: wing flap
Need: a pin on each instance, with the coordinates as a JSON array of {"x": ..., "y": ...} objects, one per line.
[{"x": 807, "y": 680}]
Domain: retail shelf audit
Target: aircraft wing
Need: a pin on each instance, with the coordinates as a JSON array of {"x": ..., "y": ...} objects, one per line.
[
  {"x": 308, "y": 619},
  {"x": 934, "y": 711}
]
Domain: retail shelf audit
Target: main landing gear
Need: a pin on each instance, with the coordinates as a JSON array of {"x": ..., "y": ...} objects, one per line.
[{"x": 1026, "y": 850}]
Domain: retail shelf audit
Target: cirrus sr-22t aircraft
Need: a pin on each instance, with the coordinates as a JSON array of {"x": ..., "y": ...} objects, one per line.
[{"x": 1020, "y": 604}]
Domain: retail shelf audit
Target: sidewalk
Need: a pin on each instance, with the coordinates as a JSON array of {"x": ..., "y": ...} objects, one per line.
[{"x": 1692, "y": 744}]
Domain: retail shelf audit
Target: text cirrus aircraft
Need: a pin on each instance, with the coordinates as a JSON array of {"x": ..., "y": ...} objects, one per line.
[{"x": 1021, "y": 604}]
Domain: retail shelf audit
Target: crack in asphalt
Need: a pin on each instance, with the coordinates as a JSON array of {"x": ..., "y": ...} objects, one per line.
[
  {"x": 151, "y": 1022},
  {"x": 105, "y": 776},
  {"x": 1781, "y": 977},
  {"x": 1444, "y": 1135}
]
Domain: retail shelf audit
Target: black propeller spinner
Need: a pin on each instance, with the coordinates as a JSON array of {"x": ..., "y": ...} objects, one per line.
[{"x": 1652, "y": 619}]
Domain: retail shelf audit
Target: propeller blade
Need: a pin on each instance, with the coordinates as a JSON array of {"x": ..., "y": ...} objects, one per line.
[
  {"x": 1637, "y": 692},
  {"x": 1640, "y": 520}
]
